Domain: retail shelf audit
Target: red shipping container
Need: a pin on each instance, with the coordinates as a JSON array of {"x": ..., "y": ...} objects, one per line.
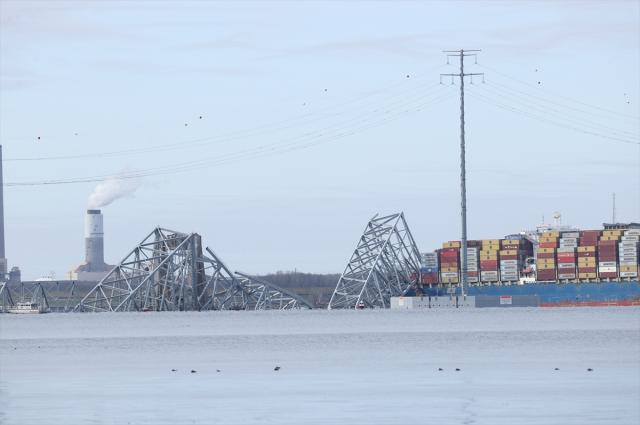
[
  {"x": 508, "y": 257},
  {"x": 429, "y": 278},
  {"x": 546, "y": 255},
  {"x": 488, "y": 263},
  {"x": 593, "y": 242},
  {"x": 607, "y": 250},
  {"x": 586, "y": 254},
  {"x": 548, "y": 245},
  {"x": 566, "y": 255},
  {"x": 607, "y": 243},
  {"x": 448, "y": 250},
  {"x": 590, "y": 233},
  {"x": 608, "y": 274},
  {"x": 448, "y": 257},
  {"x": 607, "y": 259},
  {"x": 586, "y": 269}
]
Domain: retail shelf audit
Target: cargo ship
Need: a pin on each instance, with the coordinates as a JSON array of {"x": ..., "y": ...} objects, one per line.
[{"x": 560, "y": 266}]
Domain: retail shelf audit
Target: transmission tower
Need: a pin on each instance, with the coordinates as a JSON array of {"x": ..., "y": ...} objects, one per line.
[{"x": 463, "y": 173}]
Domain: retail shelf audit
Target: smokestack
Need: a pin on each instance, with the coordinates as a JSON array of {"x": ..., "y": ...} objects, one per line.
[
  {"x": 94, "y": 241},
  {"x": 3, "y": 260}
]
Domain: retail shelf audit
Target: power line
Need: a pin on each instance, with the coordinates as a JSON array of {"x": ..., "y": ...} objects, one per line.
[
  {"x": 282, "y": 125},
  {"x": 547, "y": 120},
  {"x": 545, "y": 110},
  {"x": 622, "y": 115},
  {"x": 261, "y": 151},
  {"x": 506, "y": 88}
]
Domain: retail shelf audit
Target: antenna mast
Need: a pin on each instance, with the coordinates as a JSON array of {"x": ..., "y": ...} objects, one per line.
[
  {"x": 613, "y": 213},
  {"x": 463, "y": 172}
]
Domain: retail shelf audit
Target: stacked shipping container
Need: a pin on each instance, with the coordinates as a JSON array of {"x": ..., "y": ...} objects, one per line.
[
  {"x": 450, "y": 262},
  {"x": 566, "y": 255},
  {"x": 561, "y": 256},
  {"x": 546, "y": 256},
  {"x": 473, "y": 261},
  {"x": 588, "y": 254},
  {"x": 430, "y": 270},
  {"x": 628, "y": 249},
  {"x": 489, "y": 260},
  {"x": 608, "y": 254}
]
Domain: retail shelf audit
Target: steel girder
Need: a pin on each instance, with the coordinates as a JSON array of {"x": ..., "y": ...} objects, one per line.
[
  {"x": 168, "y": 271},
  {"x": 385, "y": 263},
  {"x": 6, "y": 300},
  {"x": 262, "y": 295}
]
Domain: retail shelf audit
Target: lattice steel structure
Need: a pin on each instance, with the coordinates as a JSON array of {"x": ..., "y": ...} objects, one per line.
[
  {"x": 168, "y": 271},
  {"x": 385, "y": 263},
  {"x": 262, "y": 295},
  {"x": 6, "y": 300},
  {"x": 33, "y": 292}
]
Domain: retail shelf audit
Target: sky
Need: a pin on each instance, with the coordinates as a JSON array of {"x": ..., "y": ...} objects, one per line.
[{"x": 276, "y": 130}]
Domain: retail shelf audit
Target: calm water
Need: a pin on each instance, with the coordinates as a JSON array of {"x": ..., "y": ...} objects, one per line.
[{"x": 352, "y": 367}]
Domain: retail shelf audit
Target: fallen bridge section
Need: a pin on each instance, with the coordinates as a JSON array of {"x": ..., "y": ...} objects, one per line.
[
  {"x": 170, "y": 271},
  {"x": 385, "y": 264}
]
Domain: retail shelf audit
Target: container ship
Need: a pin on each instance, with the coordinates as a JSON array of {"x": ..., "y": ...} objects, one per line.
[{"x": 561, "y": 267}]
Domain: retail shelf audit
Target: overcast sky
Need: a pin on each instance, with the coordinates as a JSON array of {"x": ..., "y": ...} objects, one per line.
[{"x": 315, "y": 116}]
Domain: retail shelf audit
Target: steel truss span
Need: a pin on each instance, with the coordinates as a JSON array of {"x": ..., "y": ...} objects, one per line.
[
  {"x": 385, "y": 263},
  {"x": 170, "y": 271}
]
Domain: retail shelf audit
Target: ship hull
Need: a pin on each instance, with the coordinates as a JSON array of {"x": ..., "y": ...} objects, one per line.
[{"x": 561, "y": 294}]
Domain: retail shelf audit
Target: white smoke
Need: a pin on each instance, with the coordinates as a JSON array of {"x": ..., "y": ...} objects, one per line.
[{"x": 112, "y": 188}]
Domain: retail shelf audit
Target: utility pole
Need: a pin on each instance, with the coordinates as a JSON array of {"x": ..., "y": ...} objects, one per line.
[{"x": 463, "y": 172}]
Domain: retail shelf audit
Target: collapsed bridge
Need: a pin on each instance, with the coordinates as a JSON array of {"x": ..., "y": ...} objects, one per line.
[
  {"x": 385, "y": 264},
  {"x": 170, "y": 271}
]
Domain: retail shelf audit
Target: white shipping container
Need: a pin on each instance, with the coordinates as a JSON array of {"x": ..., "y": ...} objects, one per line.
[
  {"x": 566, "y": 235},
  {"x": 566, "y": 275},
  {"x": 568, "y": 238},
  {"x": 472, "y": 279},
  {"x": 632, "y": 232},
  {"x": 607, "y": 269},
  {"x": 628, "y": 274},
  {"x": 566, "y": 265},
  {"x": 566, "y": 249},
  {"x": 449, "y": 274},
  {"x": 489, "y": 275},
  {"x": 607, "y": 264},
  {"x": 629, "y": 263},
  {"x": 630, "y": 238},
  {"x": 514, "y": 262}
]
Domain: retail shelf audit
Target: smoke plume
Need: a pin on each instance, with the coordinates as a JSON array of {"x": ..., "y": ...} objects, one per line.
[{"x": 110, "y": 189}]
